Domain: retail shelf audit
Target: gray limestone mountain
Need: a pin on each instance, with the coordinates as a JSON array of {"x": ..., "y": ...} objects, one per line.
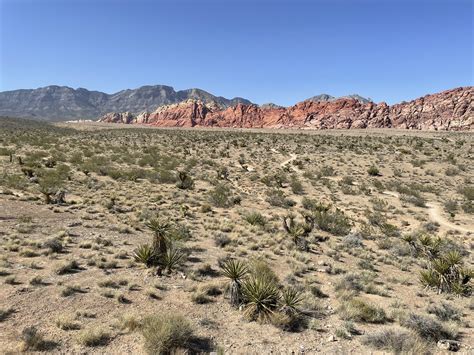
[{"x": 58, "y": 103}]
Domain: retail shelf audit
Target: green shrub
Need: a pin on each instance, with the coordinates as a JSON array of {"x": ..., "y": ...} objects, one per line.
[
  {"x": 333, "y": 221},
  {"x": 255, "y": 218},
  {"x": 221, "y": 196},
  {"x": 373, "y": 171},
  {"x": 359, "y": 310}
]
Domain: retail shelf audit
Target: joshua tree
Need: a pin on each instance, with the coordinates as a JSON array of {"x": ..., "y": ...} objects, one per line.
[{"x": 235, "y": 270}]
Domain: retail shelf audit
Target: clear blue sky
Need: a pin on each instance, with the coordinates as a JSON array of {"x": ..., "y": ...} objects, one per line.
[{"x": 267, "y": 51}]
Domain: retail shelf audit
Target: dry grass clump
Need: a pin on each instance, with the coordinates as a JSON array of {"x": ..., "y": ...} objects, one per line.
[
  {"x": 397, "y": 341},
  {"x": 165, "y": 333},
  {"x": 93, "y": 337},
  {"x": 359, "y": 310}
]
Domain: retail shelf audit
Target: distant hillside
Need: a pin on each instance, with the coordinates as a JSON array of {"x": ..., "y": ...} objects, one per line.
[{"x": 58, "y": 103}]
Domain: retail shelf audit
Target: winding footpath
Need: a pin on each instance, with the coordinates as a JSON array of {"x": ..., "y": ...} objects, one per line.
[{"x": 435, "y": 213}]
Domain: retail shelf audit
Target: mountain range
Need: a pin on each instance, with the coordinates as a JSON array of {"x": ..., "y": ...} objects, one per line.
[
  {"x": 161, "y": 105},
  {"x": 447, "y": 110},
  {"x": 59, "y": 103}
]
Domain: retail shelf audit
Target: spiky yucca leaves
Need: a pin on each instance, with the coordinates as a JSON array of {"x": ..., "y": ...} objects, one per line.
[
  {"x": 145, "y": 254},
  {"x": 160, "y": 229},
  {"x": 447, "y": 274},
  {"x": 290, "y": 299},
  {"x": 289, "y": 317},
  {"x": 261, "y": 296},
  {"x": 235, "y": 270},
  {"x": 297, "y": 231},
  {"x": 172, "y": 258}
]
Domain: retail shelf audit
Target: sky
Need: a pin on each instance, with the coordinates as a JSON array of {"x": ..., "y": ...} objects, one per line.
[{"x": 266, "y": 51}]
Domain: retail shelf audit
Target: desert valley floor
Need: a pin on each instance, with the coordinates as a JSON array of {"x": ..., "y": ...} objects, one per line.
[{"x": 340, "y": 238}]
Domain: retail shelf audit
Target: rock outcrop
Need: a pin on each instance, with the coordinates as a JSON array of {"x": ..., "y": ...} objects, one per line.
[{"x": 448, "y": 110}]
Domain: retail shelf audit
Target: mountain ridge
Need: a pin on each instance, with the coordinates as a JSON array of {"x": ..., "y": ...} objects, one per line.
[
  {"x": 448, "y": 110},
  {"x": 59, "y": 102}
]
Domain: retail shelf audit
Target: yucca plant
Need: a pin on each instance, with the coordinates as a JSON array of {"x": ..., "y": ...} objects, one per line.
[
  {"x": 446, "y": 274},
  {"x": 297, "y": 231},
  {"x": 172, "y": 258},
  {"x": 234, "y": 270},
  {"x": 145, "y": 254},
  {"x": 289, "y": 317},
  {"x": 160, "y": 229},
  {"x": 261, "y": 296},
  {"x": 290, "y": 299}
]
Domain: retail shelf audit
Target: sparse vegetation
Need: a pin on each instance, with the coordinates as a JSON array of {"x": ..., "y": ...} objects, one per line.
[{"x": 313, "y": 244}]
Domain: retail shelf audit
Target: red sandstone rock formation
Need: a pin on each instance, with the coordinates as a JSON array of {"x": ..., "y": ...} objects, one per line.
[{"x": 448, "y": 110}]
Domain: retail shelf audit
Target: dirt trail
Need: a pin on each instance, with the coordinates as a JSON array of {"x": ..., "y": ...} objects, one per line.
[
  {"x": 288, "y": 161},
  {"x": 436, "y": 214}
]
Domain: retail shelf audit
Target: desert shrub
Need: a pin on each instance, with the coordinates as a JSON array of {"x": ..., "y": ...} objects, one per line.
[
  {"x": 68, "y": 267},
  {"x": 93, "y": 337},
  {"x": 326, "y": 170},
  {"x": 418, "y": 201},
  {"x": 359, "y": 310},
  {"x": 427, "y": 327},
  {"x": 296, "y": 187},
  {"x": 32, "y": 340},
  {"x": 54, "y": 245},
  {"x": 373, "y": 171},
  {"x": 185, "y": 182},
  {"x": 67, "y": 322},
  {"x": 467, "y": 191},
  {"x": 5, "y": 313},
  {"x": 255, "y": 218},
  {"x": 221, "y": 196},
  {"x": 221, "y": 240},
  {"x": 451, "y": 206},
  {"x": 350, "y": 282},
  {"x": 395, "y": 340},
  {"x": 352, "y": 240},
  {"x": 445, "y": 312},
  {"x": 164, "y": 333},
  {"x": 50, "y": 183},
  {"x": 333, "y": 221},
  {"x": 277, "y": 198}
]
